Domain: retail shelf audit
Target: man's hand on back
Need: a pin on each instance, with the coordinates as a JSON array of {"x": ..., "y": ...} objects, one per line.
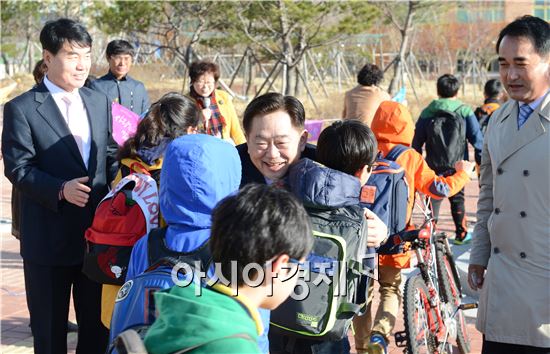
[{"x": 377, "y": 230}]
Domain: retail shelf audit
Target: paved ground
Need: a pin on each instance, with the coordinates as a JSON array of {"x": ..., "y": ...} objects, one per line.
[{"x": 15, "y": 332}]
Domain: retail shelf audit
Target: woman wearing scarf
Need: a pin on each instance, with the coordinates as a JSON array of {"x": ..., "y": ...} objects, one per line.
[{"x": 219, "y": 116}]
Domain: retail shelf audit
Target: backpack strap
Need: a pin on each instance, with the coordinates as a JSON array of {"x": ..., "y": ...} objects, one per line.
[
  {"x": 236, "y": 335},
  {"x": 396, "y": 151},
  {"x": 157, "y": 250},
  {"x": 163, "y": 262},
  {"x": 457, "y": 108},
  {"x": 349, "y": 308},
  {"x": 137, "y": 167},
  {"x": 445, "y": 110},
  {"x": 156, "y": 246}
]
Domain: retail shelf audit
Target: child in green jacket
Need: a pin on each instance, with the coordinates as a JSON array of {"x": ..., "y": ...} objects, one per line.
[{"x": 258, "y": 238}]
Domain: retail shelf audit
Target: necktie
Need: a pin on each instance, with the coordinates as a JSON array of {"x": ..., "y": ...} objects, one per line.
[
  {"x": 79, "y": 132},
  {"x": 524, "y": 112}
]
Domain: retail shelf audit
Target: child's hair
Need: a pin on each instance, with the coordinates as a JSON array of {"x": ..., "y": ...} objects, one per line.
[
  {"x": 169, "y": 117},
  {"x": 492, "y": 88},
  {"x": 447, "y": 86},
  {"x": 39, "y": 71},
  {"x": 347, "y": 146},
  {"x": 256, "y": 225}
]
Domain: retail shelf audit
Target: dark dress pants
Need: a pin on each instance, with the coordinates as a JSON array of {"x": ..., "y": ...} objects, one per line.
[
  {"x": 281, "y": 344},
  {"x": 48, "y": 290},
  {"x": 458, "y": 212},
  {"x": 501, "y": 348}
]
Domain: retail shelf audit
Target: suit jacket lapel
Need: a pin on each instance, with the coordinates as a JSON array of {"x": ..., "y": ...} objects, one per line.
[
  {"x": 516, "y": 139},
  {"x": 49, "y": 111}
]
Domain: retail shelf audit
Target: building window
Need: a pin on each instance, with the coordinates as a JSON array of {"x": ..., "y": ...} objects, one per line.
[
  {"x": 542, "y": 9},
  {"x": 472, "y": 14}
]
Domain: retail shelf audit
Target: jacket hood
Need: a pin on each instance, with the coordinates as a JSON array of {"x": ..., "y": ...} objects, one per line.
[
  {"x": 445, "y": 104},
  {"x": 198, "y": 171},
  {"x": 393, "y": 124},
  {"x": 150, "y": 154},
  {"x": 320, "y": 187},
  {"x": 213, "y": 315}
]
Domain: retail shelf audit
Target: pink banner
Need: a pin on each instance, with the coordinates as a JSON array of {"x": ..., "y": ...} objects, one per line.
[
  {"x": 125, "y": 123},
  {"x": 314, "y": 128}
]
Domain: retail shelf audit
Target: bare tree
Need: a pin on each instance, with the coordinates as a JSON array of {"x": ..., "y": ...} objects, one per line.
[{"x": 286, "y": 30}]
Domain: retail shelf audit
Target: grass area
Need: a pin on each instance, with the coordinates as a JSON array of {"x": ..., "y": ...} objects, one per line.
[{"x": 160, "y": 79}]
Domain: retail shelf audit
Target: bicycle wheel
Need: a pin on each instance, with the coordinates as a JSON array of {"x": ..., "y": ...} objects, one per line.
[
  {"x": 418, "y": 313},
  {"x": 451, "y": 296}
]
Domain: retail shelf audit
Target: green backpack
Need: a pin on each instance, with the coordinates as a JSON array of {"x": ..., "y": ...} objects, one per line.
[{"x": 330, "y": 305}]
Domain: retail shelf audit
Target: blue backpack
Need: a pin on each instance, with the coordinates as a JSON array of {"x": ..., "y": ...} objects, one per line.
[
  {"x": 386, "y": 193},
  {"x": 135, "y": 303}
]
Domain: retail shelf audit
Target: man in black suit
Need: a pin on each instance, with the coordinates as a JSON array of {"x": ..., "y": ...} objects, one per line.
[{"x": 59, "y": 153}]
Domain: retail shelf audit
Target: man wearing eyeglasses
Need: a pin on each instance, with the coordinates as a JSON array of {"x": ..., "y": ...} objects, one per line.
[{"x": 117, "y": 84}]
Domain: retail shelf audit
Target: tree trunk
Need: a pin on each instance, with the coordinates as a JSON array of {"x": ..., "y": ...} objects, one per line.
[
  {"x": 31, "y": 58},
  {"x": 299, "y": 85},
  {"x": 6, "y": 63},
  {"x": 288, "y": 53},
  {"x": 290, "y": 88},
  {"x": 405, "y": 31}
]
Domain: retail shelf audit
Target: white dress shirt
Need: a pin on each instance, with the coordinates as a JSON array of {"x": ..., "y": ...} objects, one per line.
[{"x": 75, "y": 116}]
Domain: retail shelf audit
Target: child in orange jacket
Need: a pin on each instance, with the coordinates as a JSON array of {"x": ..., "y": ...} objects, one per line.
[{"x": 392, "y": 125}]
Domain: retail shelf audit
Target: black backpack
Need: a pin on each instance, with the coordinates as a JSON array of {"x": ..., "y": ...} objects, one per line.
[
  {"x": 329, "y": 307},
  {"x": 445, "y": 140},
  {"x": 157, "y": 250},
  {"x": 483, "y": 114}
]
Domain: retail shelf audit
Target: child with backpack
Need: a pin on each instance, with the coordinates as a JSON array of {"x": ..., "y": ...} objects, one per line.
[
  {"x": 493, "y": 93},
  {"x": 445, "y": 127},
  {"x": 263, "y": 226},
  {"x": 393, "y": 128},
  {"x": 173, "y": 115},
  {"x": 331, "y": 196}
]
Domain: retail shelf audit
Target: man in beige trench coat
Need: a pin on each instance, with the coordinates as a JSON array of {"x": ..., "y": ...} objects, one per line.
[{"x": 510, "y": 256}]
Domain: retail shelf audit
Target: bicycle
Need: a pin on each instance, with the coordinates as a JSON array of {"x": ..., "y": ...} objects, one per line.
[{"x": 432, "y": 305}]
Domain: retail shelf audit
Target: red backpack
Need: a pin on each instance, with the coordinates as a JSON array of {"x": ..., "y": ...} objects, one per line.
[{"x": 124, "y": 216}]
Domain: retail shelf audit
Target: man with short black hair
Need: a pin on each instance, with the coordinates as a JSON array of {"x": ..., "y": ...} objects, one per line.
[
  {"x": 510, "y": 258},
  {"x": 59, "y": 153},
  {"x": 117, "y": 84},
  {"x": 363, "y": 100},
  {"x": 439, "y": 148}
]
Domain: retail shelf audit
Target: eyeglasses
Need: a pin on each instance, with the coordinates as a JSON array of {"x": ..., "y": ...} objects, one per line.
[{"x": 203, "y": 83}]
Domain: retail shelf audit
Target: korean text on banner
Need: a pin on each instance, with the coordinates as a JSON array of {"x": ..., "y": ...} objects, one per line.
[{"x": 125, "y": 123}]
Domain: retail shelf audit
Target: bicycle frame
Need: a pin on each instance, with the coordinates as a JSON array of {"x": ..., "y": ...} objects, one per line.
[
  {"x": 424, "y": 247},
  {"x": 425, "y": 254}
]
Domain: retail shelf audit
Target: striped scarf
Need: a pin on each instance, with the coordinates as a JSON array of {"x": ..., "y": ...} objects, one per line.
[{"x": 216, "y": 121}]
